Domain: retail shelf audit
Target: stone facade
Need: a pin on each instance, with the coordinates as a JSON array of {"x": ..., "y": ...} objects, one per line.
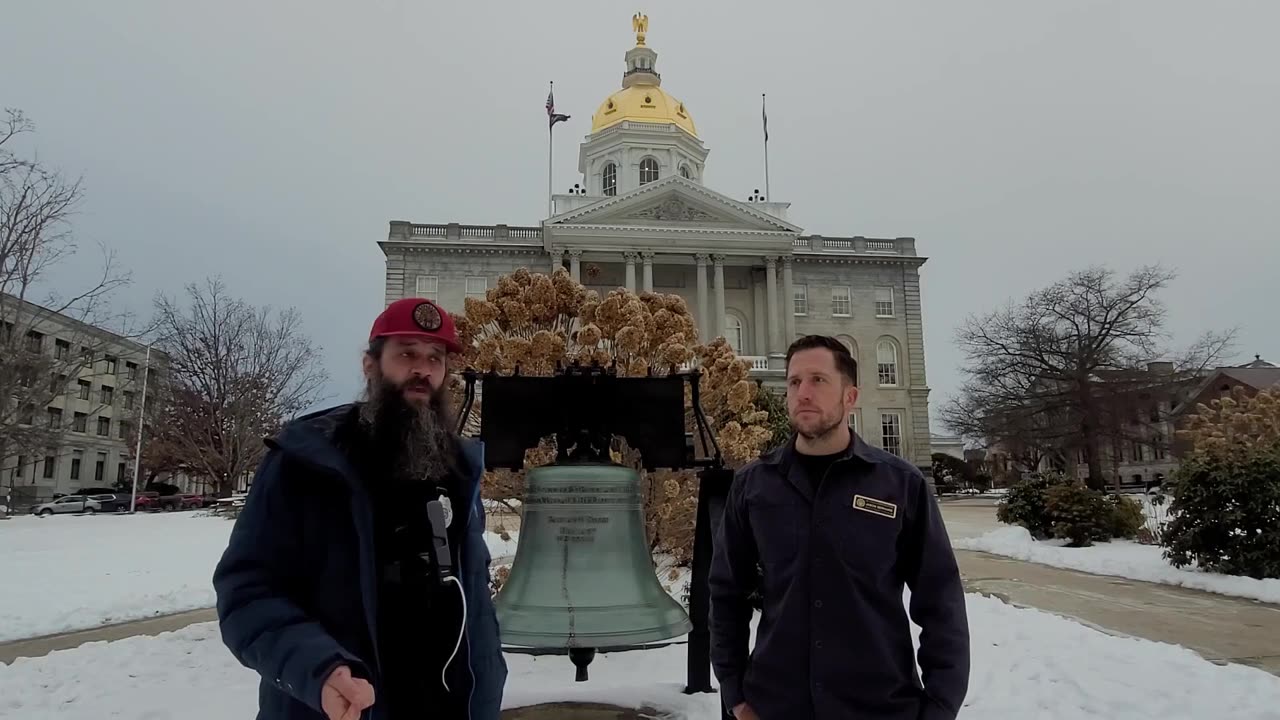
[{"x": 98, "y": 409}]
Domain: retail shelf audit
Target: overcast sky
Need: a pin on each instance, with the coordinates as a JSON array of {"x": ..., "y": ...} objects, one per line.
[{"x": 1014, "y": 140}]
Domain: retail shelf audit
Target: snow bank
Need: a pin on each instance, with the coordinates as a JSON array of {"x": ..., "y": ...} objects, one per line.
[
  {"x": 66, "y": 573},
  {"x": 1119, "y": 558},
  {"x": 1026, "y": 664}
]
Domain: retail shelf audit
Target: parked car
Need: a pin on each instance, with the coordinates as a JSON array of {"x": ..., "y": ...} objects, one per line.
[
  {"x": 147, "y": 500},
  {"x": 67, "y": 504},
  {"x": 112, "y": 502}
]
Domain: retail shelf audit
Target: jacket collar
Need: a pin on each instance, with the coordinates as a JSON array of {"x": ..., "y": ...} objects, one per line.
[
  {"x": 784, "y": 455},
  {"x": 314, "y": 438}
]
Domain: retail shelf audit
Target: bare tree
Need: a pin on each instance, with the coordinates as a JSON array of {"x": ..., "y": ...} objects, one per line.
[
  {"x": 36, "y": 204},
  {"x": 235, "y": 374},
  {"x": 1041, "y": 375}
]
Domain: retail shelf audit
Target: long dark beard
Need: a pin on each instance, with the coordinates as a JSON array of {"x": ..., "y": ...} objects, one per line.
[{"x": 413, "y": 442}]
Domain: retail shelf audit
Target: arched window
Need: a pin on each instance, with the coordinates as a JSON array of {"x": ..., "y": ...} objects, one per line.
[
  {"x": 685, "y": 172},
  {"x": 609, "y": 180},
  {"x": 648, "y": 171},
  {"x": 733, "y": 332},
  {"x": 849, "y": 343},
  {"x": 887, "y": 363}
]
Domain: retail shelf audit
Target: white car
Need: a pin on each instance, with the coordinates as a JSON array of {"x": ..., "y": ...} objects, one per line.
[{"x": 67, "y": 504}]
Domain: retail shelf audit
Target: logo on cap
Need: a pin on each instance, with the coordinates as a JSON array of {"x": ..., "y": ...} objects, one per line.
[{"x": 427, "y": 317}]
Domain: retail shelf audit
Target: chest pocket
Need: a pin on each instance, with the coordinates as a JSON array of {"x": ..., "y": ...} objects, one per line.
[
  {"x": 867, "y": 529},
  {"x": 779, "y": 526}
]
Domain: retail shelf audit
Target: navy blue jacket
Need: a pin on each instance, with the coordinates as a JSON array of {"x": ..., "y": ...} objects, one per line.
[
  {"x": 297, "y": 584},
  {"x": 834, "y": 640}
]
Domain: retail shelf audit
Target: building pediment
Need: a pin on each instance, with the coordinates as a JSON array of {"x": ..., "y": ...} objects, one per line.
[{"x": 674, "y": 202}]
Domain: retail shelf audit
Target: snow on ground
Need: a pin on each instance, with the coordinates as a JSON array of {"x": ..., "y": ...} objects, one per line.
[
  {"x": 78, "y": 571},
  {"x": 1119, "y": 558},
  {"x": 1026, "y": 664},
  {"x": 73, "y": 572}
]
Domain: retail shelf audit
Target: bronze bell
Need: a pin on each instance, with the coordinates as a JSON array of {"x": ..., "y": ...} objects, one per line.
[{"x": 582, "y": 576}]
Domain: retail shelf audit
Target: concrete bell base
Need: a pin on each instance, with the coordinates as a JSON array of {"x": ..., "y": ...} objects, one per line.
[{"x": 581, "y": 711}]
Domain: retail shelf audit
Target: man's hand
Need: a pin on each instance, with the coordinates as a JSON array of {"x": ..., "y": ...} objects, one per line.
[
  {"x": 344, "y": 697},
  {"x": 744, "y": 712}
]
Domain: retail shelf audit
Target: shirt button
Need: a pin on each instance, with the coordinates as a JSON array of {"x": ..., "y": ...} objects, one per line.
[
  {"x": 818, "y": 644},
  {"x": 817, "y": 603}
]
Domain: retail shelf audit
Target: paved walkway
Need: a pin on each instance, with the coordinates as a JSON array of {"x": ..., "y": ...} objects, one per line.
[
  {"x": 41, "y": 646},
  {"x": 1220, "y": 628}
]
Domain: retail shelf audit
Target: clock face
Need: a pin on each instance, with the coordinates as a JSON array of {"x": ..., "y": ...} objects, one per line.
[{"x": 427, "y": 316}]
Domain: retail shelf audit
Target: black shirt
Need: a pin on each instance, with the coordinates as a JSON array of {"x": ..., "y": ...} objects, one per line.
[
  {"x": 419, "y": 618},
  {"x": 815, "y": 467}
]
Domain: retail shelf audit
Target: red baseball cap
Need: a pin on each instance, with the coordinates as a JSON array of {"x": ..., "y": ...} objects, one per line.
[{"x": 419, "y": 318}]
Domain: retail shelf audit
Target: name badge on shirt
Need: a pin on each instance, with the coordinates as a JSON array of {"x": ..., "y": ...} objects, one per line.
[{"x": 875, "y": 507}]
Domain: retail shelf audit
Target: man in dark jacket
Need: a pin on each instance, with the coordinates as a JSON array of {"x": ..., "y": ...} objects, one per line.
[
  {"x": 829, "y": 530},
  {"x": 333, "y": 587}
]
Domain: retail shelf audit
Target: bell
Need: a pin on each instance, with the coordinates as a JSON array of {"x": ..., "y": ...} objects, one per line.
[{"x": 582, "y": 576}]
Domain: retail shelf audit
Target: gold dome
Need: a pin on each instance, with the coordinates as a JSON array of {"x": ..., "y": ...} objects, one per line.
[{"x": 642, "y": 103}]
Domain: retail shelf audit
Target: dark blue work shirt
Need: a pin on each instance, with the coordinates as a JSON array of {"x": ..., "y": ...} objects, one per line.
[{"x": 834, "y": 640}]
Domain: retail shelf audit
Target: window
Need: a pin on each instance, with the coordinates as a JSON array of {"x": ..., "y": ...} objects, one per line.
[
  {"x": 800, "y": 299},
  {"x": 22, "y": 463},
  {"x": 120, "y": 472},
  {"x": 840, "y": 301},
  {"x": 87, "y": 354},
  {"x": 128, "y": 400},
  {"x": 75, "y": 468},
  {"x": 104, "y": 426},
  {"x": 1138, "y": 451},
  {"x": 106, "y": 395},
  {"x": 81, "y": 423},
  {"x": 35, "y": 341},
  {"x": 113, "y": 365},
  {"x": 131, "y": 370},
  {"x": 648, "y": 171},
  {"x": 884, "y": 302},
  {"x": 733, "y": 332},
  {"x": 887, "y": 362},
  {"x": 1158, "y": 450},
  {"x": 125, "y": 427},
  {"x": 609, "y": 180},
  {"x": 55, "y": 418},
  {"x": 685, "y": 172},
  {"x": 426, "y": 286},
  {"x": 28, "y": 414},
  {"x": 476, "y": 286},
  {"x": 85, "y": 388},
  {"x": 61, "y": 349},
  {"x": 49, "y": 466},
  {"x": 891, "y": 433},
  {"x": 100, "y": 468},
  {"x": 853, "y": 421}
]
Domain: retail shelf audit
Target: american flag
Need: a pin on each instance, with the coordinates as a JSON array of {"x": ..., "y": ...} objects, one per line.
[{"x": 553, "y": 117}]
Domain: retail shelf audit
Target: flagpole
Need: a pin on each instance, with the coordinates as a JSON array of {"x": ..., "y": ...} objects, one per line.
[
  {"x": 765, "y": 117},
  {"x": 551, "y": 205}
]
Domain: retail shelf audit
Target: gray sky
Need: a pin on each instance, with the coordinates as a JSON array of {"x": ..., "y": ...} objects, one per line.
[{"x": 1014, "y": 140}]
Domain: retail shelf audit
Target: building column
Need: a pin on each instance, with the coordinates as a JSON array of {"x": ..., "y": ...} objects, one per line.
[
  {"x": 718, "y": 268},
  {"x": 759, "y": 315},
  {"x": 647, "y": 257},
  {"x": 557, "y": 258},
  {"x": 575, "y": 264},
  {"x": 774, "y": 315},
  {"x": 704, "y": 329},
  {"x": 789, "y": 302},
  {"x": 630, "y": 258}
]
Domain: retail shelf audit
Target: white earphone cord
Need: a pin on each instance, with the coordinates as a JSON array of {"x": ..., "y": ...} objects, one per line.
[{"x": 461, "y": 631}]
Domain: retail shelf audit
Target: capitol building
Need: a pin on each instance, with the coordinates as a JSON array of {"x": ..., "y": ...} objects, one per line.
[{"x": 641, "y": 218}]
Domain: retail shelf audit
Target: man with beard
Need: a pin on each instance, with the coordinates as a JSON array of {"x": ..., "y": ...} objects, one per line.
[
  {"x": 829, "y": 530},
  {"x": 337, "y": 586}
]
